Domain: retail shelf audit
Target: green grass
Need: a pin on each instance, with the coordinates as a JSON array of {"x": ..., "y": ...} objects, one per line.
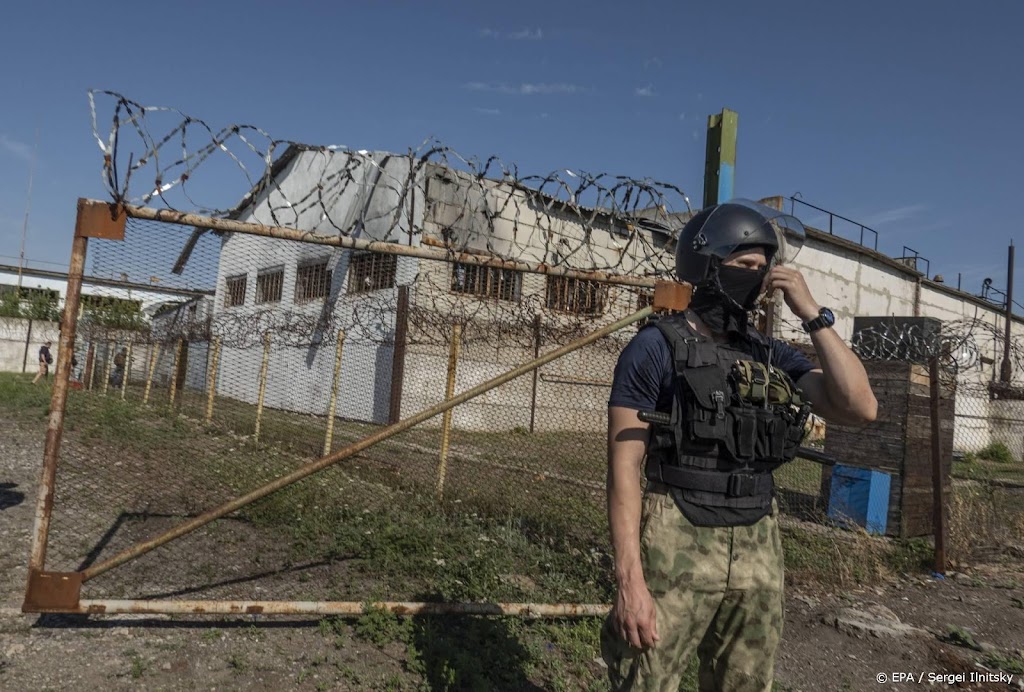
[{"x": 497, "y": 535}]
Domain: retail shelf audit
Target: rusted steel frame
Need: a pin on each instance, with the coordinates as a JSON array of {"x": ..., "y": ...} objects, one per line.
[
  {"x": 262, "y": 392},
  {"x": 446, "y": 421},
  {"x": 340, "y": 608},
  {"x": 333, "y": 405},
  {"x": 432, "y": 253},
  {"x": 357, "y": 447},
  {"x": 154, "y": 358},
  {"x": 938, "y": 499},
  {"x": 211, "y": 379},
  {"x": 127, "y": 371},
  {"x": 59, "y": 397},
  {"x": 52, "y": 592}
]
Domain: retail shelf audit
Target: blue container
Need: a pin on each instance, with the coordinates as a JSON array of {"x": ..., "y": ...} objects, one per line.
[{"x": 860, "y": 496}]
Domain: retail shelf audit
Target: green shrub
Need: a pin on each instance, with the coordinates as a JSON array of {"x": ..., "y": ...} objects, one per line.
[{"x": 998, "y": 452}]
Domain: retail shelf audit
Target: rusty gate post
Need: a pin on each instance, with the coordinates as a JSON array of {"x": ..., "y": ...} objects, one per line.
[
  {"x": 334, "y": 393},
  {"x": 263, "y": 385},
  {"x": 446, "y": 425},
  {"x": 93, "y": 220}
]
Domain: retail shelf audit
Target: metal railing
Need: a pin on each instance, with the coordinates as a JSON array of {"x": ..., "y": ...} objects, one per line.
[{"x": 831, "y": 221}]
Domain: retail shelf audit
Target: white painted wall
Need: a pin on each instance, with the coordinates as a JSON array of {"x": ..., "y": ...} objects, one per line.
[{"x": 19, "y": 336}]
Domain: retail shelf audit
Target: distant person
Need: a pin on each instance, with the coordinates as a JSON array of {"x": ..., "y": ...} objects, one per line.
[
  {"x": 45, "y": 361},
  {"x": 120, "y": 360}
]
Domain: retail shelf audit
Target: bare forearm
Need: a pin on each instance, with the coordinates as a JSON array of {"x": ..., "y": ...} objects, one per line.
[
  {"x": 624, "y": 510},
  {"x": 627, "y": 444},
  {"x": 846, "y": 381}
]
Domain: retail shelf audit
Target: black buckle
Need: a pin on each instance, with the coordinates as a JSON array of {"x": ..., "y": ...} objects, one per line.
[{"x": 741, "y": 485}]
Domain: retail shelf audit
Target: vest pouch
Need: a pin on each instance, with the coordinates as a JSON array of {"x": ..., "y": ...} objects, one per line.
[
  {"x": 795, "y": 434},
  {"x": 746, "y": 435},
  {"x": 772, "y": 436},
  {"x": 705, "y": 400}
]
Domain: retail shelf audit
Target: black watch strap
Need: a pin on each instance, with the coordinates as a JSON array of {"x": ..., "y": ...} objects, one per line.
[{"x": 824, "y": 319}]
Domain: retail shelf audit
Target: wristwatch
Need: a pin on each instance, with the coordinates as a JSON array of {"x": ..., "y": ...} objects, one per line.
[{"x": 824, "y": 319}]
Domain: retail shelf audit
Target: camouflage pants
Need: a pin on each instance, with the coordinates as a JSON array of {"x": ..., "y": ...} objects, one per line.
[{"x": 718, "y": 591}]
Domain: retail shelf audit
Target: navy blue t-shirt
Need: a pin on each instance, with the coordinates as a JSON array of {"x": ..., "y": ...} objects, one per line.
[{"x": 643, "y": 374}]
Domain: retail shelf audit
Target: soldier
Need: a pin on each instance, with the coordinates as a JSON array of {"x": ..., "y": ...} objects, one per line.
[{"x": 698, "y": 558}]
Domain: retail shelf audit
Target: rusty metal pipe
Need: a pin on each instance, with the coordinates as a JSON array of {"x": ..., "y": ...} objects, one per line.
[
  {"x": 356, "y": 447},
  {"x": 58, "y": 402},
  {"x": 341, "y": 608},
  {"x": 441, "y": 253}
]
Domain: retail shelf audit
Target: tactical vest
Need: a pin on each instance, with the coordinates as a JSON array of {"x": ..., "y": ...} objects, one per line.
[{"x": 734, "y": 420}]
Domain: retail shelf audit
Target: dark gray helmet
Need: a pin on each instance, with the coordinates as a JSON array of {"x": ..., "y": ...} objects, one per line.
[{"x": 716, "y": 232}]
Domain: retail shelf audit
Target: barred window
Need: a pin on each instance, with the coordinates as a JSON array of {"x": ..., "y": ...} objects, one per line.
[
  {"x": 235, "y": 293},
  {"x": 268, "y": 285},
  {"x": 578, "y": 296},
  {"x": 312, "y": 281},
  {"x": 644, "y": 299},
  {"x": 487, "y": 282},
  {"x": 371, "y": 271}
]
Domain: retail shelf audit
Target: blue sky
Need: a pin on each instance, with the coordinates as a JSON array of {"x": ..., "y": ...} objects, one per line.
[{"x": 905, "y": 116}]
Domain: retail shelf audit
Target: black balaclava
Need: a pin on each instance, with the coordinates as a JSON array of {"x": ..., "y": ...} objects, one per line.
[{"x": 724, "y": 299}]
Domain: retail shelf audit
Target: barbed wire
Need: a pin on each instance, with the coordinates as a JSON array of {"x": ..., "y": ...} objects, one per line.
[
  {"x": 157, "y": 155},
  {"x": 958, "y": 345}
]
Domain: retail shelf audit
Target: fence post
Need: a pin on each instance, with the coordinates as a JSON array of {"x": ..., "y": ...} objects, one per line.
[
  {"x": 90, "y": 356},
  {"x": 263, "y": 385},
  {"x": 334, "y": 393},
  {"x": 174, "y": 374},
  {"x": 398, "y": 357},
  {"x": 28, "y": 347},
  {"x": 106, "y": 369},
  {"x": 938, "y": 500},
  {"x": 211, "y": 379},
  {"x": 127, "y": 371},
  {"x": 446, "y": 425},
  {"x": 536, "y": 371},
  {"x": 153, "y": 358}
]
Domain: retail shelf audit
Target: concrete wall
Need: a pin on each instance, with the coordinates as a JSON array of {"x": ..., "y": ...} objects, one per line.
[{"x": 21, "y": 337}]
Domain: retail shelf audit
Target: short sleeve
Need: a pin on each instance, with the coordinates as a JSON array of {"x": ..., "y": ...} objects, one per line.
[
  {"x": 789, "y": 360},
  {"x": 643, "y": 372}
]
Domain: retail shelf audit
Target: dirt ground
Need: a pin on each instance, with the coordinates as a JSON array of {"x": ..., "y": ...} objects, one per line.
[{"x": 985, "y": 603}]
